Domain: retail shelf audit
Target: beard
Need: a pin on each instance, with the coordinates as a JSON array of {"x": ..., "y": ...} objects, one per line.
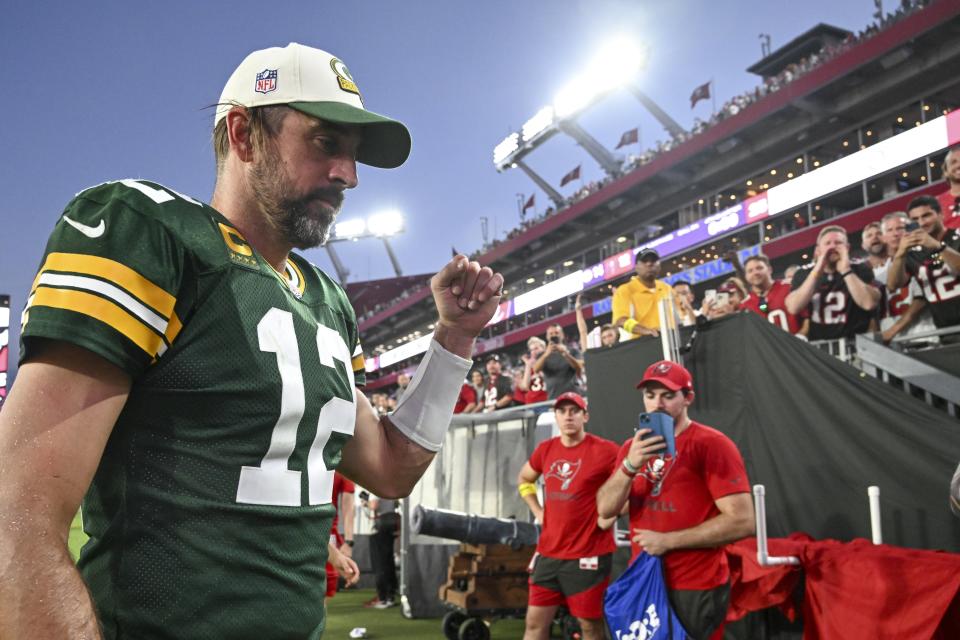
[
  {"x": 877, "y": 248},
  {"x": 303, "y": 220}
]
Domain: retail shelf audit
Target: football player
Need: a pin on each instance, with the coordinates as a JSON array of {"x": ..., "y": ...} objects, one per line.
[{"x": 194, "y": 381}]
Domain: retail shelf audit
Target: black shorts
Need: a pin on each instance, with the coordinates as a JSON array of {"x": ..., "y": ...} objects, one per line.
[
  {"x": 701, "y": 612},
  {"x": 557, "y": 582}
]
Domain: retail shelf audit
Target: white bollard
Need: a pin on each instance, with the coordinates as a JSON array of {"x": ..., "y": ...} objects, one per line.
[
  {"x": 873, "y": 493},
  {"x": 760, "y": 508}
]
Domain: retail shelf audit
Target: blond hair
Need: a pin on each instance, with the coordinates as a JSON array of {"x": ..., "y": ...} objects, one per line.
[
  {"x": 264, "y": 122},
  {"x": 832, "y": 228}
]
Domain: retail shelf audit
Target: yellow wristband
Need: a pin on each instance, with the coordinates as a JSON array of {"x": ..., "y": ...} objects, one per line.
[
  {"x": 629, "y": 325},
  {"x": 527, "y": 489}
]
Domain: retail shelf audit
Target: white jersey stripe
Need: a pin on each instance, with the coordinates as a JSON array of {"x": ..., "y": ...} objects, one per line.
[{"x": 114, "y": 293}]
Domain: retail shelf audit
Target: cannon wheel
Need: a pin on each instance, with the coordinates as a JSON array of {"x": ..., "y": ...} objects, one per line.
[
  {"x": 473, "y": 629},
  {"x": 571, "y": 628},
  {"x": 451, "y": 624}
]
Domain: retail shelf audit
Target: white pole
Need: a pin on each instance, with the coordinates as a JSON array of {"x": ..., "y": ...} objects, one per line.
[
  {"x": 873, "y": 493},
  {"x": 760, "y": 509},
  {"x": 763, "y": 556},
  {"x": 664, "y": 338}
]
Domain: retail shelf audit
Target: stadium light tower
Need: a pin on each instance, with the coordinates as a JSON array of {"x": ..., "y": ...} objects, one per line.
[
  {"x": 616, "y": 65},
  {"x": 380, "y": 225}
]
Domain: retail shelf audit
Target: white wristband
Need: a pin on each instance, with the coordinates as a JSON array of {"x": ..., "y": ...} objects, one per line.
[{"x": 423, "y": 413}]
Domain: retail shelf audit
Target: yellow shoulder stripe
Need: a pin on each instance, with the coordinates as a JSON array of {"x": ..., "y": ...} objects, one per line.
[
  {"x": 358, "y": 363},
  {"x": 112, "y": 271},
  {"x": 103, "y": 310}
]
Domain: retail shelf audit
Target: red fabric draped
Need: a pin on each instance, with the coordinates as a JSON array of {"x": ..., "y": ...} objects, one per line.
[{"x": 853, "y": 590}]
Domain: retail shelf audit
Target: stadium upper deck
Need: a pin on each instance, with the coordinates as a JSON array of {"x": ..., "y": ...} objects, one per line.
[{"x": 871, "y": 91}]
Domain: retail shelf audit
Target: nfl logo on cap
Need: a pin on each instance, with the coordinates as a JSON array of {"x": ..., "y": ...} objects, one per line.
[{"x": 266, "y": 81}]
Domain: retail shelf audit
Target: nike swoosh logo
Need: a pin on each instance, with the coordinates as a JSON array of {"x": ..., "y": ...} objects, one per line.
[{"x": 87, "y": 230}]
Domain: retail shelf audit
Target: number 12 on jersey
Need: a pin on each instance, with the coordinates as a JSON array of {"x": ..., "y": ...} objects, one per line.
[{"x": 272, "y": 483}]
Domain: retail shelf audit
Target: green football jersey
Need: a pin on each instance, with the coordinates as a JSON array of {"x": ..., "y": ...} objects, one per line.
[{"x": 210, "y": 511}]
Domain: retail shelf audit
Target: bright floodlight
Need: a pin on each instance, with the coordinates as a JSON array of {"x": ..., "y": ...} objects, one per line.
[
  {"x": 350, "y": 228},
  {"x": 503, "y": 150},
  {"x": 538, "y": 123},
  {"x": 617, "y": 62},
  {"x": 385, "y": 223},
  {"x": 575, "y": 96}
]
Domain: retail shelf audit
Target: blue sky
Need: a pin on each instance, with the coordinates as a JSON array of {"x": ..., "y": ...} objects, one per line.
[{"x": 110, "y": 90}]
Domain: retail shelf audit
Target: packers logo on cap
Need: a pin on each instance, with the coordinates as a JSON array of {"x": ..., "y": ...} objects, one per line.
[{"x": 343, "y": 76}]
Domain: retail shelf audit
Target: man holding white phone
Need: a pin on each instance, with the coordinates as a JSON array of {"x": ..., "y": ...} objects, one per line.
[{"x": 683, "y": 507}]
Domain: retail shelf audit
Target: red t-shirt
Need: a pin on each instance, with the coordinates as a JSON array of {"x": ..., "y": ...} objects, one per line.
[
  {"x": 340, "y": 485},
  {"x": 572, "y": 476},
  {"x": 950, "y": 207},
  {"x": 776, "y": 311},
  {"x": 537, "y": 389},
  {"x": 707, "y": 466},
  {"x": 468, "y": 395}
]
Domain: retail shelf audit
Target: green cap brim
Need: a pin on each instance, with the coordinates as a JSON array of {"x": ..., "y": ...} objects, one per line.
[{"x": 385, "y": 143}]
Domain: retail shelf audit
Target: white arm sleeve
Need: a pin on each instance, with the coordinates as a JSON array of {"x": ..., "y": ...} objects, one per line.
[{"x": 423, "y": 413}]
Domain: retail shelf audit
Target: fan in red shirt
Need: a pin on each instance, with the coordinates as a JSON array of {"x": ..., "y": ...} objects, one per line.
[
  {"x": 575, "y": 551},
  {"x": 344, "y": 543},
  {"x": 684, "y": 507},
  {"x": 768, "y": 296},
  {"x": 467, "y": 400},
  {"x": 950, "y": 199},
  {"x": 533, "y": 387}
]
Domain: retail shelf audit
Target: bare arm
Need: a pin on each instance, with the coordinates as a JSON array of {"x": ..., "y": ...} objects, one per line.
[
  {"x": 527, "y": 474},
  {"x": 897, "y": 272},
  {"x": 343, "y": 563},
  {"x": 347, "y": 515},
  {"x": 612, "y": 496},
  {"x": 53, "y": 430},
  {"x": 905, "y": 320},
  {"x": 527, "y": 372},
  {"x": 581, "y": 323},
  {"x": 378, "y": 456},
  {"x": 733, "y": 258},
  {"x": 865, "y": 295},
  {"x": 538, "y": 365},
  {"x": 576, "y": 363},
  {"x": 798, "y": 299},
  {"x": 375, "y": 440},
  {"x": 735, "y": 521}
]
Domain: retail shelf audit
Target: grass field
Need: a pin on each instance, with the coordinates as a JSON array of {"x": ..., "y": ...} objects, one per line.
[
  {"x": 346, "y": 612},
  {"x": 77, "y": 537}
]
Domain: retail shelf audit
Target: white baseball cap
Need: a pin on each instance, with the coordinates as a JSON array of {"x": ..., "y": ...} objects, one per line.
[{"x": 318, "y": 84}]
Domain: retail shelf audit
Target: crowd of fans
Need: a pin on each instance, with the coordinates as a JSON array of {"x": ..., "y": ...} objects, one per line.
[
  {"x": 730, "y": 108},
  {"x": 904, "y": 285}
]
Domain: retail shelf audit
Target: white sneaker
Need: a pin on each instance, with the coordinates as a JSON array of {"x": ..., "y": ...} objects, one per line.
[{"x": 385, "y": 604}]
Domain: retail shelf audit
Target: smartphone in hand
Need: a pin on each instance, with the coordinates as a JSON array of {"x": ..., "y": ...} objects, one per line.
[{"x": 661, "y": 425}]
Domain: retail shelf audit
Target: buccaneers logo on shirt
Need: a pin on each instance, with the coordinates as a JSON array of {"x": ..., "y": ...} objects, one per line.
[
  {"x": 656, "y": 470},
  {"x": 564, "y": 471}
]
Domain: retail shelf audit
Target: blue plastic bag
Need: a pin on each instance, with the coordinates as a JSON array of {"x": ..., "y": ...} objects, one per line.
[{"x": 636, "y": 605}]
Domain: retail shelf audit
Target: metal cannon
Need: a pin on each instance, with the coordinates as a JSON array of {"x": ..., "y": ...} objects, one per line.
[
  {"x": 472, "y": 529},
  {"x": 487, "y": 577}
]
